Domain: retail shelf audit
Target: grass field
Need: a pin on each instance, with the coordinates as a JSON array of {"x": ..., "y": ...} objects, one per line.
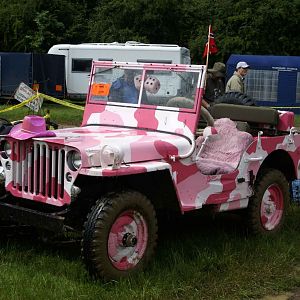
[
  {"x": 59, "y": 114},
  {"x": 198, "y": 257}
]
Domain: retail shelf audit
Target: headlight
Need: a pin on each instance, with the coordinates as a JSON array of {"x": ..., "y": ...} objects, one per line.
[
  {"x": 111, "y": 156},
  {"x": 7, "y": 149},
  {"x": 74, "y": 160}
]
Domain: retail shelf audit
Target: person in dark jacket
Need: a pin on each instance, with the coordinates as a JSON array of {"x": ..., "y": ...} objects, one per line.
[{"x": 215, "y": 85}]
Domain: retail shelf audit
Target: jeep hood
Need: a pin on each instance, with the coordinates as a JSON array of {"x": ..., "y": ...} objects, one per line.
[{"x": 136, "y": 145}]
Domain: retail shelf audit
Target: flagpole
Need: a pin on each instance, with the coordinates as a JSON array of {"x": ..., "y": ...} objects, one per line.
[{"x": 208, "y": 45}]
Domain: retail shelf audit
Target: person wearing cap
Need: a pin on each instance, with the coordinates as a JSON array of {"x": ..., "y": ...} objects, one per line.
[
  {"x": 215, "y": 86},
  {"x": 236, "y": 81}
]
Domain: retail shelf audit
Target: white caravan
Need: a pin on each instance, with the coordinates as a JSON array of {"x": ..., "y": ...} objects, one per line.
[{"x": 78, "y": 59}]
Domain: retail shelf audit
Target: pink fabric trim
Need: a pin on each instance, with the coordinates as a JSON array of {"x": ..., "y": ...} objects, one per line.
[{"x": 223, "y": 151}]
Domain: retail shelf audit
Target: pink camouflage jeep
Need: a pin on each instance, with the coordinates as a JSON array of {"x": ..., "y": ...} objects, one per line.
[{"x": 141, "y": 148}]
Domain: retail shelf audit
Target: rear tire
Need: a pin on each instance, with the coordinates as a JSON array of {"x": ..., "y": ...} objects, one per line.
[
  {"x": 269, "y": 204},
  {"x": 119, "y": 236}
]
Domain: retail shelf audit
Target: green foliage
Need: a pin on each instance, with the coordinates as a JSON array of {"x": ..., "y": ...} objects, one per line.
[
  {"x": 16, "y": 18},
  {"x": 37, "y": 25},
  {"x": 144, "y": 21},
  {"x": 46, "y": 26},
  {"x": 243, "y": 26}
]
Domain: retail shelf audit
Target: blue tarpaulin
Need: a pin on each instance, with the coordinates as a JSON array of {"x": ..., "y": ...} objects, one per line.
[
  {"x": 45, "y": 70},
  {"x": 272, "y": 80}
]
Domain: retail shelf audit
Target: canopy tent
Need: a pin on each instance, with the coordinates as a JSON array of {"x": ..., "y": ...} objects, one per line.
[{"x": 272, "y": 80}]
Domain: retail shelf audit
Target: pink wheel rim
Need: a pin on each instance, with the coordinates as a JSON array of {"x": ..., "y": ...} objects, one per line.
[
  {"x": 271, "y": 207},
  {"x": 127, "y": 240}
]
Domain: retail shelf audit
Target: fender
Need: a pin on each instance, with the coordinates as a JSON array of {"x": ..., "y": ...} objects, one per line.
[{"x": 128, "y": 169}]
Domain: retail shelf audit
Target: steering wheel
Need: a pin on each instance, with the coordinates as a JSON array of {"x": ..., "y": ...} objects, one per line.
[
  {"x": 205, "y": 114},
  {"x": 183, "y": 102}
]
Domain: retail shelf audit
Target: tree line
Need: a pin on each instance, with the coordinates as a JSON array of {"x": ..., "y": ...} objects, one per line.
[{"x": 240, "y": 26}]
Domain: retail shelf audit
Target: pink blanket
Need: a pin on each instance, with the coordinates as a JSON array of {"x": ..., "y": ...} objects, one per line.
[{"x": 222, "y": 152}]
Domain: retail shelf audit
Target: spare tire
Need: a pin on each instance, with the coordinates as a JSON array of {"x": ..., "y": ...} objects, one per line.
[{"x": 236, "y": 98}]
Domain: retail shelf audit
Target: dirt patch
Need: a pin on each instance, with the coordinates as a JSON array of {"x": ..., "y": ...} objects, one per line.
[
  {"x": 286, "y": 296},
  {"x": 294, "y": 295}
]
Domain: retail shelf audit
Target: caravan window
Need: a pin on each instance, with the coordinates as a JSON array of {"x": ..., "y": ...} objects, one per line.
[
  {"x": 262, "y": 84},
  {"x": 81, "y": 64},
  {"x": 105, "y": 59}
]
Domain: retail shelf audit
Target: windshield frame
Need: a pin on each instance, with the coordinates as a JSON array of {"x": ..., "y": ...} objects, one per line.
[
  {"x": 170, "y": 119},
  {"x": 146, "y": 68}
]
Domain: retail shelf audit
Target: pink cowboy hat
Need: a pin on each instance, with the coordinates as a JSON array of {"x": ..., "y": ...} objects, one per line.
[{"x": 32, "y": 126}]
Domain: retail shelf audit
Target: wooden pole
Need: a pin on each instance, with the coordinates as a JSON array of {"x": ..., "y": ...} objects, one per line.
[{"x": 208, "y": 45}]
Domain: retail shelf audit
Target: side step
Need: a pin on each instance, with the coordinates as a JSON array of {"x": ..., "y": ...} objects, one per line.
[{"x": 26, "y": 216}]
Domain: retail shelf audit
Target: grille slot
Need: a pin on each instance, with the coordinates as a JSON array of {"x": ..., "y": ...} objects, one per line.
[{"x": 38, "y": 169}]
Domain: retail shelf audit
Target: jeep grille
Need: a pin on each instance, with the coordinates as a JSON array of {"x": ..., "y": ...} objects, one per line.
[{"x": 38, "y": 169}]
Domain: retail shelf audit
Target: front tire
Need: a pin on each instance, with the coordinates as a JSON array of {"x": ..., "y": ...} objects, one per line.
[
  {"x": 119, "y": 236},
  {"x": 268, "y": 206}
]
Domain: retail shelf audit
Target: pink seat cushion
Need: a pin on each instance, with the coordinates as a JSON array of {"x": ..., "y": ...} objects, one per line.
[{"x": 222, "y": 152}]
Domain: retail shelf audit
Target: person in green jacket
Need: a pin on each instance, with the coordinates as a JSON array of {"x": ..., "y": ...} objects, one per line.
[{"x": 236, "y": 81}]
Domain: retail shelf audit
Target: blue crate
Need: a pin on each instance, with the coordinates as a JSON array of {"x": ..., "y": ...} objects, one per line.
[{"x": 296, "y": 190}]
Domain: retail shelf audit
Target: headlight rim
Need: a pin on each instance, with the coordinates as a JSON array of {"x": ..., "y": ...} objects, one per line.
[{"x": 71, "y": 160}]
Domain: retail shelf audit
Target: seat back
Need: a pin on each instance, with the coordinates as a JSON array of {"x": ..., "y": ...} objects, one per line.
[
  {"x": 222, "y": 152},
  {"x": 251, "y": 114}
]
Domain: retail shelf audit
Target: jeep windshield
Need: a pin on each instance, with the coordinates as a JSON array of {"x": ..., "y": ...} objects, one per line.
[
  {"x": 148, "y": 84},
  {"x": 151, "y": 96}
]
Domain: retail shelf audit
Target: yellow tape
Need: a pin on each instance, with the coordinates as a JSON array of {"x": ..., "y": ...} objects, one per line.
[
  {"x": 288, "y": 107},
  {"x": 61, "y": 102},
  {"x": 20, "y": 104}
]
